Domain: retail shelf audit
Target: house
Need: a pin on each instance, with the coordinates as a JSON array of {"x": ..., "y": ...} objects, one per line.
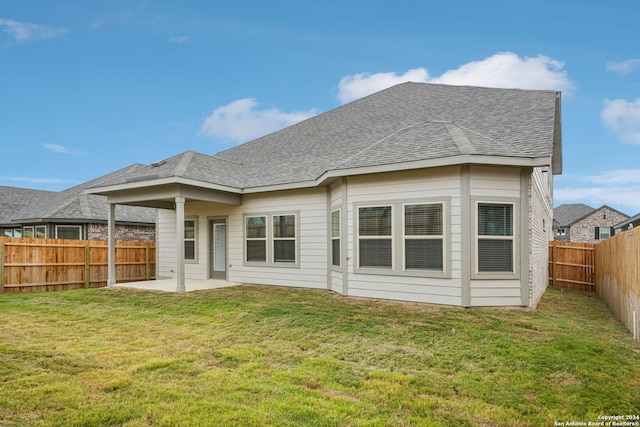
[
  {"x": 627, "y": 224},
  {"x": 72, "y": 214},
  {"x": 13, "y": 199},
  {"x": 420, "y": 192},
  {"x": 592, "y": 226},
  {"x": 564, "y": 216}
]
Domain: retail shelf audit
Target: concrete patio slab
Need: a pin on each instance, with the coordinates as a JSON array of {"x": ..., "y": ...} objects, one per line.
[{"x": 171, "y": 284}]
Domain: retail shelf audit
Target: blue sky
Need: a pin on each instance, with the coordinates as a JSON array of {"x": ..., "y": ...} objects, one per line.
[{"x": 87, "y": 87}]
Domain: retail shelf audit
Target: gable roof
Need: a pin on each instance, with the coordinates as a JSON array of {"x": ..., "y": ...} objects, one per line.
[
  {"x": 595, "y": 211},
  {"x": 406, "y": 126},
  {"x": 568, "y": 214},
  {"x": 74, "y": 204},
  {"x": 635, "y": 220},
  {"x": 12, "y": 199}
]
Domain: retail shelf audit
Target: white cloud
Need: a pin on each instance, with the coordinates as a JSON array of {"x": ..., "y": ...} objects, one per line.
[
  {"x": 178, "y": 39},
  {"x": 240, "y": 121},
  {"x": 57, "y": 148},
  {"x": 623, "y": 67},
  {"x": 504, "y": 70},
  {"x": 27, "y": 31},
  {"x": 623, "y": 119},
  {"x": 618, "y": 188}
]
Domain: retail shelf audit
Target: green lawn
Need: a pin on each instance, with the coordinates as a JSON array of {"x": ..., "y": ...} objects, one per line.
[{"x": 264, "y": 356}]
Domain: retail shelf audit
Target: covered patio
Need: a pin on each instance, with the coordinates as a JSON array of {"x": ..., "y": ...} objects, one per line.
[{"x": 171, "y": 285}]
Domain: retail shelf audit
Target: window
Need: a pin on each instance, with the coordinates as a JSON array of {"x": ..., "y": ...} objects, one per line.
[
  {"x": 374, "y": 237},
  {"x": 41, "y": 232},
  {"x": 335, "y": 238},
  {"x": 256, "y": 235},
  {"x": 68, "y": 232},
  {"x": 190, "y": 239},
  {"x": 603, "y": 233},
  {"x": 423, "y": 237},
  {"x": 585, "y": 230},
  {"x": 495, "y": 244},
  {"x": 284, "y": 238},
  {"x": 28, "y": 231}
]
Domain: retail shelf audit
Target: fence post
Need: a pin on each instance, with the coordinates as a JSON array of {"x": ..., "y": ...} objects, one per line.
[
  {"x": 1, "y": 267},
  {"x": 87, "y": 266},
  {"x": 554, "y": 280},
  {"x": 147, "y": 263}
]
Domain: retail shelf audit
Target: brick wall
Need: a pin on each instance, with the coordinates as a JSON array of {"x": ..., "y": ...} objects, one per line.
[
  {"x": 127, "y": 233},
  {"x": 584, "y": 231}
]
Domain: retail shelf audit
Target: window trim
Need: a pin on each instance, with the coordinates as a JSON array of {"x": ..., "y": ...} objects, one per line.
[
  {"x": 381, "y": 237},
  {"x": 515, "y": 239},
  {"x": 79, "y": 227},
  {"x": 397, "y": 245},
  {"x": 337, "y": 238},
  {"x": 29, "y": 227},
  {"x": 441, "y": 237},
  {"x": 194, "y": 239},
  {"x": 270, "y": 239},
  {"x": 275, "y": 239}
]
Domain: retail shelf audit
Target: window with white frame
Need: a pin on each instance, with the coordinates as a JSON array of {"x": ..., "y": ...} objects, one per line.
[
  {"x": 495, "y": 238},
  {"x": 41, "y": 232},
  {"x": 256, "y": 238},
  {"x": 284, "y": 238},
  {"x": 190, "y": 234},
  {"x": 424, "y": 236},
  {"x": 335, "y": 238},
  {"x": 27, "y": 231},
  {"x": 375, "y": 239},
  {"x": 69, "y": 232}
]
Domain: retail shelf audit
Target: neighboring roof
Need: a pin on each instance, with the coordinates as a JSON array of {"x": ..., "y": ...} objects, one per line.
[
  {"x": 403, "y": 125},
  {"x": 635, "y": 220},
  {"x": 13, "y": 199},
  {"x": 593, "y": 212},
  {"x": 568, "y": 214},
  {"x": 74, "y": 205}
]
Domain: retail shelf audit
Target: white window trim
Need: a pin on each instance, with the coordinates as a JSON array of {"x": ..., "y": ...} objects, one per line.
[
  {"x": 274, "y": 239},
  {"x": 29, "y": 227},
  {"x": 269, "y": 239},
  {"x": 332, "y": 238},
  {"x": 194, "y": 239},
  {"x": 515, "y": 274},
  {"x": 390, "y": 237},
  {"x": 35, "y": 233},
  {"x": 79, "y": 227},
  {"x": 441, "y": 237}
]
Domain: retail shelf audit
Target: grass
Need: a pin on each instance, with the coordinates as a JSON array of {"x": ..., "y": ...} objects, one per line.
[{"x": 260, "y": 356}]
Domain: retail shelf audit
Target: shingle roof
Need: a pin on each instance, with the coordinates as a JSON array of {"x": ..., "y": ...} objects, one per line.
[
  {"x": 567, "y": 214},
  {"x": 13, "y": 199},
  {"x": 74, "y": 204},
  {"x": 405, "y": 123}
]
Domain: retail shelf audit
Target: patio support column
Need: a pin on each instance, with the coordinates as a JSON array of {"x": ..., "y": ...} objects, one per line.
[
  {"x": 180, "y": 244},
  {"x": 111, "y": 245}
]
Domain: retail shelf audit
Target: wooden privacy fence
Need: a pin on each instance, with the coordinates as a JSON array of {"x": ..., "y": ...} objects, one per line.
[
  {"x": 618, "y": 277},
  {"x": 572, "y": 265},
  {"x": 29, "y": 265}
]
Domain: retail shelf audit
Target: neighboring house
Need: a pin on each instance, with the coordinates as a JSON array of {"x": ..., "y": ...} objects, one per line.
[
  {"x": 564, "y": 216},
  {"x": 628, "y": 224},
  {"x": 420, "y": 192},
  {"x": 592, "y": 227},
  {"x": 72, "y": 214}
]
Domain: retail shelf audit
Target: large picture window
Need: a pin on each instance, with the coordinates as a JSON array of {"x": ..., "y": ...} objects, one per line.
[
  {"x": 495, "y": 234},
  {"x": 335, "y": 238},
  {"x": 68, "y": 232},
  {"x": 375, "y": 237},
  {"x": 424, "y": 237}
]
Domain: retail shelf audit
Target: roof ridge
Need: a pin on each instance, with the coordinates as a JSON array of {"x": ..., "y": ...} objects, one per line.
[
  {"x": 183, "y": 164},
  {"x": 459, "y": 138},
  {"x": 380, "y": 141}
]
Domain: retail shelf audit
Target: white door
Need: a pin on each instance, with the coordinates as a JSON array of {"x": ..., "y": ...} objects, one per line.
[{"x": 219, "y": 250}]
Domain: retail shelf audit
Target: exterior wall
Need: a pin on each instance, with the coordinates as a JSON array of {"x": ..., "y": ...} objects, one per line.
[
  {"x": 396, "y": 187},
  {"x": 540, "y": 232},
  {"x": 603, "y": 217},
  {"x": 127, "y": 233},
  {"x": 496, "y": 185}
]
